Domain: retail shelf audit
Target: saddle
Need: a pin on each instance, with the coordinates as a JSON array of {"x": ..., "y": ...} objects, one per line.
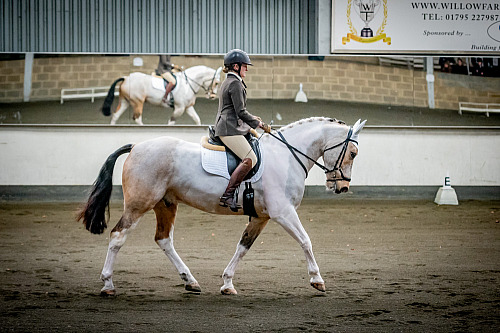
[
  {"x": 213, "y": 142},
  {"x": 159, "y": 77},
  {"x": 160, "y": 83}
]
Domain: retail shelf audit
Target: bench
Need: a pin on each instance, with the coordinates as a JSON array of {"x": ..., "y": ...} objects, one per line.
[
  {"x": 479, "y": 107},
  {"x": 82, "y": 93}
]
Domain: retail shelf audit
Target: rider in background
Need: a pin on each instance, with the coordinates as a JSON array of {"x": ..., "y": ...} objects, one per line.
[
  {"x": 233, "y": 121},
  {"x": 165, "y": 71}
]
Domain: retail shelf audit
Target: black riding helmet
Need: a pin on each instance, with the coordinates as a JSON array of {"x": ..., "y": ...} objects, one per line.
[{"x": 236, "y": 56}]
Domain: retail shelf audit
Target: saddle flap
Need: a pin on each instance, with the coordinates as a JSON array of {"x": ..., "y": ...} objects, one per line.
[
  {"x": 158, "y": 83},
  {"x": 216, "y": 162}
]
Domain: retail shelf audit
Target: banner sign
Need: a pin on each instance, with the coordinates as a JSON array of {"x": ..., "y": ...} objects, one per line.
[{"x": 404, "y": 26}]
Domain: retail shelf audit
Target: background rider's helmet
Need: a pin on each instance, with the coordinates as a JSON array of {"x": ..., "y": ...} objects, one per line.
[{"x": 236, "y": 56}]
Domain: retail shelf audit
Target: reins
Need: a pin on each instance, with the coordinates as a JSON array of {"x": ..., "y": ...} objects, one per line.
[
  {"x": 338, "y": 163},
  {"x": 207, "y": 90}
]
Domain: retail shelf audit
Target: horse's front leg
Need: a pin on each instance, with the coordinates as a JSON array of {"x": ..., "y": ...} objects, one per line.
[
  {"x": 178, "y": 111},
  {"x": 165, "y": 218},
  {"x": 290, "y": 221},
  {"x": 194, "y": 115},
  {"x": 251, "y": 233}
]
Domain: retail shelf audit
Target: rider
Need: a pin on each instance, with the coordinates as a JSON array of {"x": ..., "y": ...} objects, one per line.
[
  {"x": 234, "y": 121},
  {"x": 165, "y": 71}
]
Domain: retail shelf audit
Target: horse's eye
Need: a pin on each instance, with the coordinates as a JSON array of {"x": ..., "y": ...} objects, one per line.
[{"x": 353, "y": 155}]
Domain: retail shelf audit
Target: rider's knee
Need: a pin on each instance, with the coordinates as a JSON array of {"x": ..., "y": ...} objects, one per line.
[{"x": 253, "y": 157}]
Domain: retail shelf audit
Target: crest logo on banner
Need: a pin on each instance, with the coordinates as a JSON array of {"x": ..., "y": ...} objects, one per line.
[{"x": 367, "y": 10}]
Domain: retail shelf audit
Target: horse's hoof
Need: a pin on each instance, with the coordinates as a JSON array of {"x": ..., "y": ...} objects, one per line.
[
  {"x": 107, "y": 293},
  {"x": 194, "y": 287},
  {"x": 319, "y": 285},
  {"x": 229, "y": 291}
]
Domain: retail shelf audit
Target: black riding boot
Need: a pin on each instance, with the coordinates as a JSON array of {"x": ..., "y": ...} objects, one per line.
[{"x": 237, "y": 177}]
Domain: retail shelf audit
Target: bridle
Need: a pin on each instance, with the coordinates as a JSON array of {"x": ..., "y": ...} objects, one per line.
[
  {"x": 209, "y": 90},
  {"x": 338, "y": 163}
]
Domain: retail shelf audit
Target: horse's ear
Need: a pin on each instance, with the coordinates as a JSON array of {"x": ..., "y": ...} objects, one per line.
[
  {"x": 358, "y": 126},
  {"x": 217, "y": 73}
]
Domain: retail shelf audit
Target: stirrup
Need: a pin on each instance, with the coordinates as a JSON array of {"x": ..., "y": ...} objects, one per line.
[
  {"x": 170, "y": 102},
  {"x": 233, "y": 205},
  {"x": 222, "y": 202}
]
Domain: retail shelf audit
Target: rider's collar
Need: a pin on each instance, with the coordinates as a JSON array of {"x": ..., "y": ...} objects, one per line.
[{"x": 233, "y": 73}]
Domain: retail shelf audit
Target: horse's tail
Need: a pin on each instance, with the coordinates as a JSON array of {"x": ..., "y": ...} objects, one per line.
[
  {"x": 94, "y": 211},
  {"x": 106, "y": 107}
]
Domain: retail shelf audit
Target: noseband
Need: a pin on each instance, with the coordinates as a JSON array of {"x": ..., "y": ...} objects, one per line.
[{"x": 338, "y": 163}]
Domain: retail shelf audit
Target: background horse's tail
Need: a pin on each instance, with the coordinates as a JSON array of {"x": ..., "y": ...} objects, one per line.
[
  {"x": 106, "y": 107},
  {"x": 93, "y": 214}
]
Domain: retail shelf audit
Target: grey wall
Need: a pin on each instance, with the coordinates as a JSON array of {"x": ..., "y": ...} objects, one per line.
[
  {"x": 462, "y": 153},
  {"x": 159, "y": 26}
]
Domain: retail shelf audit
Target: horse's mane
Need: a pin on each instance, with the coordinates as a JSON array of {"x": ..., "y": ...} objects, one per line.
[
  {"x": 197, "y": 66},
  {"x": 310, "y": 120}
]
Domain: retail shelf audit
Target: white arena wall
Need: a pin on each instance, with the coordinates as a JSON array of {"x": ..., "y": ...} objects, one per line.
[{"x": 389, "y": 156}]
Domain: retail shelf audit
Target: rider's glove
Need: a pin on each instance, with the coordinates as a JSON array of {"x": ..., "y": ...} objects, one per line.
[{"x": 266, "y": 127}]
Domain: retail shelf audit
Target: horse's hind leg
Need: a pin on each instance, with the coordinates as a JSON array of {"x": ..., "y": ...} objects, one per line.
[
  {"x": 122, "y": 106},
  {"x": 192, "y": 113},
  {"x": 138, "y": 106},
  {"x": 165, "y": 218},
  {"x": 251, "y": 233},
  {"x": 117, "y": 238}
]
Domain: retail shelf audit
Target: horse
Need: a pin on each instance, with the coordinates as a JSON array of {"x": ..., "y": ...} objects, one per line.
[
  {"x": 160, "y": 173},
  {"x": 138, "y": 88}
]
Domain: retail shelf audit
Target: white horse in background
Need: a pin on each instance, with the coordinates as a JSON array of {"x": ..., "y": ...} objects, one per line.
[
  {"x": 161, "y": 173},
  {"x": 138, "y": 88}
]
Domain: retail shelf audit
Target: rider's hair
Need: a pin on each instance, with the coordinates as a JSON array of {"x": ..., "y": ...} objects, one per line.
[{"x": 227, "y": 68}]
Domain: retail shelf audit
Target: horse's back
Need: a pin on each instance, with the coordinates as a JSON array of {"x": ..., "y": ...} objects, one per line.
[
  {"x": 169, "y": 168},
  {"x": 162, "y": 146},
  {"x": 139, "y": 75},
  {"x": 156, "y": 161}
]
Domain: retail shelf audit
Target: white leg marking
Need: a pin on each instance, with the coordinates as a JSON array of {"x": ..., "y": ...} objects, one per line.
[
  {"x": 117, "y": 239},
  {"x": 167, "y": 245},
  {"x": 123, "y": 106},
  {"x": 228, "y": 287},
  {"x": 138, "y": 120},
  {"x": 250, "y": 234},
  {"x": 178, "y": 111}
]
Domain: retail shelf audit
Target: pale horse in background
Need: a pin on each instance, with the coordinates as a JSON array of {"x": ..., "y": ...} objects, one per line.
[
  {"x": 137, "y": 88},
  {"x": 161, "y": 173}
]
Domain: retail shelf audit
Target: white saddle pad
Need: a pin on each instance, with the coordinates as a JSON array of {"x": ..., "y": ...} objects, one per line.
[
  {"x": 158, "y": 83},
  {"x": 215, "y": 162}
]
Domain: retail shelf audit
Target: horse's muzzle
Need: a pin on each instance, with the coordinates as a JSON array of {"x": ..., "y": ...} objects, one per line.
[
  {"x": 342, "y": 189},
  {"x": 341, "y": 186}
]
